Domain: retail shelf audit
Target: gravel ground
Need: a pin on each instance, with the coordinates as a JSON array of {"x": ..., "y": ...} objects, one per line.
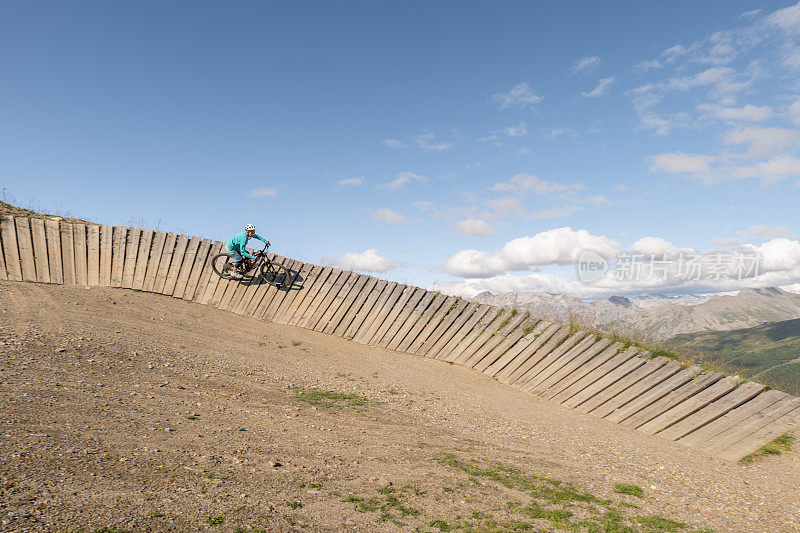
[{"x": 139, "y": 412}]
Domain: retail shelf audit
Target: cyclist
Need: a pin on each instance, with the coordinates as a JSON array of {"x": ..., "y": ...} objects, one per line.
[{"x": 237, "y": 248}]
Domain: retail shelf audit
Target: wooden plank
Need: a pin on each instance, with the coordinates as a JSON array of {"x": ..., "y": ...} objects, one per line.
[
  {"x": 610, "y": 393},
  {"x": 429, "y": 321},
  {"x": 690, "y": 405},
  {"x": 281, "y": 293},
  {"x": 238, "y": 288},
  {"x": 570, "y": 348},
  {"x": 67, "y": 254},
  {"x": 445, "y": 330},
  {"x": 208, "y": 279},
  {"x": 25, "y": 249},
  {"x": 365, "y": 309},
  {"x": 548, "y": 353},
  {"x": 653, "y": 395},
  {"x": 327, "y": 292},
  {"x": 306, "y": 297},
  {"x": 532, "y": 355},
  {"x": 333, "y": 300},
  {"x": 154, "y": 261},
  {"x": 387, "y": 316},
  {"x": 381, "y": 308},
  {"x": 483, "y": 317},
  {"x": 723, "y": 431},
  {"x": 131, "y": 257},
  {"x": 178, "y": 257},
  {"x": 598, "y": 372},
  {"x": 431, "y": 330},
  {"x": 249, "y": 293},
  {"x": 579, "y": 341},
  {"x": 343, "y": 301},
  {"x": 81, "y": 256},
  {"x": 508, "y": 341},
  {"x": 741, "y": 395},
  {"x": 118, "y": 255},
  {"x": 54, "y": 251},
  {"x": 185, "y": 271},
  {"x": 280, "y": 304},
  {"x": 142, "y": 258},
  {"x": 574, "y": 370},
  {"x": 8, "y": 232},
  {"x": 550, "y": 374},
  {"x": 315, "y": 295},
  {"x": 447, "y": 339},
  {"x": 271, "y": 291},
  {"x": 93, "y": 254},
  {"x": 482, "y": 332},
  {"x": 583, "y": 400},
  {"x": 410, "y": 321},
  {"x": 527, "y": 344},
  {"x": 356, "y": 302},
  {"x": 106, "y": 251},
  {"x": 200, "y": 259},
  {"x": 580, "y": 367},
  {"x": 303, "y": 281},
  {"x": 651, "y": 374},
  {"x": 788, "y": 422},
  {"x": 39, "y": 250},
  {"x": 409, "y": 298},
  {"x": 164, "y": 262},
  {"x": 3, "y": 270}
]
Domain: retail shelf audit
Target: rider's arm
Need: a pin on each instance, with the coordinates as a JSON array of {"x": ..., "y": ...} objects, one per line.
[{"x": 260, "y": 238}]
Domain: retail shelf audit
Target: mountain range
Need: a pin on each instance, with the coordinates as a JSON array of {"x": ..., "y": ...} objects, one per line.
[{"x": 656, "y": 316}]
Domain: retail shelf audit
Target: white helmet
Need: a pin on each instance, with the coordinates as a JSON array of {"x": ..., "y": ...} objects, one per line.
[{"x": 249, "y": 227}]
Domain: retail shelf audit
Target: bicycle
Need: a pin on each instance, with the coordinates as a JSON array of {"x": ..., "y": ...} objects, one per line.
[{"x": 270, "y": 272}]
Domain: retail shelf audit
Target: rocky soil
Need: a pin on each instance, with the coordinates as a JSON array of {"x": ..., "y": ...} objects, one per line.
[{"x": 126, "y": 411}]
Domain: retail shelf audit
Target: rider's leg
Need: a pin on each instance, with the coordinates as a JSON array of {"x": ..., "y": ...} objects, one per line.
[{"x": 236, "y": 259}]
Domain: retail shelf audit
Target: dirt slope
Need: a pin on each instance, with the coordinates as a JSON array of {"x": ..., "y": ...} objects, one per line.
[{"x": 139, "y": 412}]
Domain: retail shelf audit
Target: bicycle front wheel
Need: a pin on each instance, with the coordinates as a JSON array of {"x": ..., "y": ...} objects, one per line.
[
  {"x": 222, "y": 266},
  {"x": 275, "y": 274}
]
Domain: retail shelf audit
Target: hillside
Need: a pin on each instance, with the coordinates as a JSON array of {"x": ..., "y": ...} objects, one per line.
[
  {"x": 769, "y": 353},
  {"x": 748, "y": 308}
]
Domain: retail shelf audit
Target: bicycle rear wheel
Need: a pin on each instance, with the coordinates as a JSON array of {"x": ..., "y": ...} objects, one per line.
[
  {"x": 222, "y": 266},
  {"x": 275, "y": 274}
]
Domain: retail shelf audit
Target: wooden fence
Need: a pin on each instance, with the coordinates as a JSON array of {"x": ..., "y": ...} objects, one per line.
[{"x": 704, "y": 410}]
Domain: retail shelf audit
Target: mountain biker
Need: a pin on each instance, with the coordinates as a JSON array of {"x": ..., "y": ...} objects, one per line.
[{"x": 237, "y": 248}]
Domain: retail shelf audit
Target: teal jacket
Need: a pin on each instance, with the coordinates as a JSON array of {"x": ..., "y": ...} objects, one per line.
[{"x": 238, "y": 243}]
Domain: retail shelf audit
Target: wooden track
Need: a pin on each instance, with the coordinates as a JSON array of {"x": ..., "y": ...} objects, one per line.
[{"x": 704, "y": 411}]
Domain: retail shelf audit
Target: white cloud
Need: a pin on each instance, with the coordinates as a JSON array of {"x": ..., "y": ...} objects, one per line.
[
  {"x": 586, "y": 65},
  {"x": 747, "y": 113},
  {"x": 388, "y": 215},
  {"x": 425, "y": 205},
  {"x": 602, "y": 88},
  {"x": 554, "y": 212},
  {"x": 401, "y": 179},
  {"x": 779, "y": 255},
  {"x": 505, "y": 206},
  {"x": 263, "y": 192},
  {"x": 521, "y": 95},
  {"x": 555, "y": 133},
  {"x": 517, "y": 131},
  {"x": 350, "y": 182},
  {"x": 726, "y": 242},
  {"x": 680, "y": 163},
  {"x": 751, "y": 13},
  {"x": 475, "y": 227},
  {"x": 426, "y": 141},
  {"x": 763, "y": 231},
  {"x": 559, "y": 246},
  {"x": 394, "y": 143},
  {"x": 788, "y": 18},
  {"x": 771, "y": 170},
  {"x": 794, "y": 111},
  {"x": 763, "y": 141},
  {"x": 366, "y": 261},
  {"x": 654, "y": 245},
  {"x": 529, "y": 182}
]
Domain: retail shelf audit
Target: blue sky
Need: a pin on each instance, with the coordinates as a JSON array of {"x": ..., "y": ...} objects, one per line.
[{"x": 467, "y": 146}]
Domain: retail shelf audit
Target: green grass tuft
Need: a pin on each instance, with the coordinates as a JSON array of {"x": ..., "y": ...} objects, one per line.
[{"x": 626, "y": 488}]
